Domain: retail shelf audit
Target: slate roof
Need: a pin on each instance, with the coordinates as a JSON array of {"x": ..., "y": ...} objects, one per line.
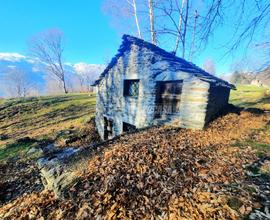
[{"x": 177, "y": 63}]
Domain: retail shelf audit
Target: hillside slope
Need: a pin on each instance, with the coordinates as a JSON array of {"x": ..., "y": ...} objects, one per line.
[
  {"x": 44, "y": 118},
  {"x": 249, "y": 96},
  {"x": 27, "y": 124},
  {"x": 162, "y": 172}
]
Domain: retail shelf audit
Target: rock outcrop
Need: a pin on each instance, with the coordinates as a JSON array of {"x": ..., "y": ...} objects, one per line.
[{"x": 55, "y": 170}]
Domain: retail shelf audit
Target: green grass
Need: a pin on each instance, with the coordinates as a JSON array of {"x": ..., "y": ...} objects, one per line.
[
  {"x": 41, "y": 118},
  {"x": 235, "y": 203},
  {"x": 261, "y": 148},
  {"x": 251, "y": 97},
  {"x": 16, "y": 149}
]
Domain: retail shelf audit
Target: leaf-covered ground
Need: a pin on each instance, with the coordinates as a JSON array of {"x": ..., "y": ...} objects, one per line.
[{"x": 166, "y": 173}]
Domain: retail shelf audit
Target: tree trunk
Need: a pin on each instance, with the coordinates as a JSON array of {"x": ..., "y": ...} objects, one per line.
[
  {"x": 152, "y": 22},
  {"x": 194, "y": 35},
  {"x": 64, "y": 85},
  {"x": 185, "y": 30},
  {"x": 136, "y": 18},
  {"x": 179, "y": 27}
]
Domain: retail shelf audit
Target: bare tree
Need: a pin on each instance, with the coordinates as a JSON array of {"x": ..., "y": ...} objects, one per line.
[
  {"x": 185, "y": 30},
  {"x": 190, "y": 34},
  {"x": 18, "y": 84},
  {"x": 134, "y": 5},
  {"x": 87, "y": 74},
  {"x": 253, "y": 19},
  {"x": 173, "y": 24},
  {"x": 152, "y": 22},
  {"x": 82, "y": 82},
  {"x": 47, "y": 46},
  {"x": 179, "y": 27}
]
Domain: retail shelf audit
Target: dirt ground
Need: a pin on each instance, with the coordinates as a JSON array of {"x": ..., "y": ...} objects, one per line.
[{"x": 167, "y": 173}]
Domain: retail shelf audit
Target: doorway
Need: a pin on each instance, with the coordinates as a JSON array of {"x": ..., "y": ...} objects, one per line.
[{"x": 108, "y": 128}]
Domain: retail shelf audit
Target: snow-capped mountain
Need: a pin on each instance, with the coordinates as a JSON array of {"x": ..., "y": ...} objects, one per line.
[{"x": 35, "y": 71}]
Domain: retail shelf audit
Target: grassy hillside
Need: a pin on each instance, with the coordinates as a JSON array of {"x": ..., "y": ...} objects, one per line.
[
  {"x": 24, "y": 122},
  {"x": 251, "y": 97}
]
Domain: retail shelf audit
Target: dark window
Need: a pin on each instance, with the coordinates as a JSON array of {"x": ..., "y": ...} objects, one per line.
[
  {"x": 128, "y": 127},
  {"x": 131, "y": 88},
  {"x": 108, "y": 128},
  {"x": 168, "y": 97},
  {"x": 170, "y": 89}
]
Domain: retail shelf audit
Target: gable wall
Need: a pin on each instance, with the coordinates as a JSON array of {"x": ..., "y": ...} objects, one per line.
[{"x": 133, "y": 64}]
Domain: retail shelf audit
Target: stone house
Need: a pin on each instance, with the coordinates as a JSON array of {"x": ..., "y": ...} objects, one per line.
[{"x": 144, "y": 85}]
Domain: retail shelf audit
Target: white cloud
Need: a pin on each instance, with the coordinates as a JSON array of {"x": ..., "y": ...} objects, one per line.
[
  {"x": 11, "y": 57},
  {"x": 84, "y": 68},
  {"x": 11, "y": 66}
]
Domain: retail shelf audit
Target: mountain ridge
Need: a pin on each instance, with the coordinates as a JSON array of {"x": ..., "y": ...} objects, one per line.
[
  {"x": 35, "y": 71},
  {"x": 261, "y": 78}
]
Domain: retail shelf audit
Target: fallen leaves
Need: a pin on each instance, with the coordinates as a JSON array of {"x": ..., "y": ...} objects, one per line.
[{"x": 159, "y": 173}]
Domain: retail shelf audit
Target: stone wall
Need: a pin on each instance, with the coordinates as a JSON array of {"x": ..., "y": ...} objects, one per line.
[
  {"x": 143, "y": 64},
  {"x": 134, "y": 64}
]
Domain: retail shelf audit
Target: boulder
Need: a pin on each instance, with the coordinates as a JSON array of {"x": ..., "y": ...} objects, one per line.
[
  {"x": 35, "y": 150},
  {"x": 55, "y": 171}
]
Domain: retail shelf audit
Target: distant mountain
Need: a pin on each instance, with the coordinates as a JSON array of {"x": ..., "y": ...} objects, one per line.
[
  {"x": 34, "y": 70},
  {"x": 261, "y": 78}
]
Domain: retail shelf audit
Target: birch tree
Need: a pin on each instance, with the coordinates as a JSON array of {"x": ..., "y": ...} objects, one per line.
[
  {"x": 185, "y": 26},
  {"x": 186, "y": 23},
  {"x": 48, "y": 47},
  {"x": 192, "y": 49},
  {"x": 179, "y": 27},
  {"x": 185, "y": 29},
  {"x": 152, "y": 22},
  {"x": 134, "y": 6}
]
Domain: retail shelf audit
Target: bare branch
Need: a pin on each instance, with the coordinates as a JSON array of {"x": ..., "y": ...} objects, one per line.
[{"x": 48, "y": 47}]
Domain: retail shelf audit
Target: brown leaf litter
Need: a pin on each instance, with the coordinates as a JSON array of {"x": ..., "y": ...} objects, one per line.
[{"x": 158, "y": 173}]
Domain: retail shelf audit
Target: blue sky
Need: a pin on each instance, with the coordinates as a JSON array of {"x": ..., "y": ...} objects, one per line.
[{"x": 89, "y": 36}]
